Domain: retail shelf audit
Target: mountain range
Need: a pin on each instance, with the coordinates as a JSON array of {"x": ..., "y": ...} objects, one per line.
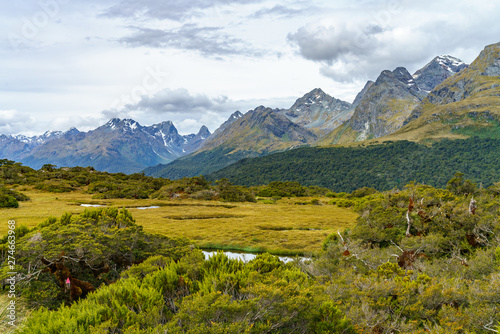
[
  {"x": 381, "y": 108},
  {"x": 120, "y": 145},
  {"x": 445, "y": 99}
]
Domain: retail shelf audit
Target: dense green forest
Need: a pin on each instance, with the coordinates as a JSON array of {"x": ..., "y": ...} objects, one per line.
[
  {"x": 418, "y": 260},
  {"x": 382, "y": 167},
  {"x": 204, "y": 162}
]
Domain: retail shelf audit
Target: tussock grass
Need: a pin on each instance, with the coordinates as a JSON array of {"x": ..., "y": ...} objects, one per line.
[{"x": 283, "y": 228}]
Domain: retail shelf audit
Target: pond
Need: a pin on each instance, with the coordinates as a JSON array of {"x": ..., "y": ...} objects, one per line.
[
  {"x": 245, "y": 257},
  {"x": 132, "y": 207}
]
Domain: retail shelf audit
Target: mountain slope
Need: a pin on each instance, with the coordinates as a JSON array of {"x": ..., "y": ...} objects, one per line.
[
  {"x": 465, "y": 104},
  {"x": 118, "y": 146},
  {"x": 381, "y": 109},
  {"x": 258, "y": 132}
]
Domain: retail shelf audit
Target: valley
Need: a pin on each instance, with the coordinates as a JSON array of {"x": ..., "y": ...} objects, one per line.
[
  {"x": 389, "y": 207},
  {"x": 287, "y": 227}
]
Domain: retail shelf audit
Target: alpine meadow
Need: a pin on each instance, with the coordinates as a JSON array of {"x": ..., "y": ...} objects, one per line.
[{"x": 138, "y": 196}]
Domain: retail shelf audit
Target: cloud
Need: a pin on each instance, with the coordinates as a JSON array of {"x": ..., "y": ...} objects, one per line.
[
  {"x": 207, "y": 40},
  {"x": 359, "y": 44},
  {"x": 287, "y": 11},
  {"x": 14, "y": 122},
  {"x": 169, "y": 101},
  {"x": 175, "y": 10},
  {"x": 333, "y": 43}
]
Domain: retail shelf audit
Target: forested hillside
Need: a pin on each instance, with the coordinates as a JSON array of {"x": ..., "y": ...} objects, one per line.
[{"x": 383, "y": 167}]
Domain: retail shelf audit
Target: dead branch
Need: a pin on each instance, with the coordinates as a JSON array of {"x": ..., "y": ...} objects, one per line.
[
  {"x": 408, "y": 219},
  {"x": 472, "y": 206}
]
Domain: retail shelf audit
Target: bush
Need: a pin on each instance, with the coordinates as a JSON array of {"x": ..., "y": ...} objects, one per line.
[
  {"x": 282, "y": 189},
  {"x": 206, "y": 195},
  {"x": 7, "y": 201},
  {"x": 55, "y": 186},
  {"x": 231, "y": 193},
  {"x": 362, "y": 192}
]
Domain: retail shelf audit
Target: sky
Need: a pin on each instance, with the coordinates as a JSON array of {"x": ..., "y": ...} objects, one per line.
[{"x": 76, "y": 63}]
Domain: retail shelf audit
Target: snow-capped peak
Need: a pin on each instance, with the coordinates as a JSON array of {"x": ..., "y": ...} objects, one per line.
[
  {"x": 130, "y": 123},
  {"x": 450, "y": 63}
]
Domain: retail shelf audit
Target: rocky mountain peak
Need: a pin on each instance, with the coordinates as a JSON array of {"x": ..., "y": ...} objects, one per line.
[
  {"x": 316, "y": 96},
  {"x": 204, "y": 132},
  {"x": 237, "y": 114},
  {"x": 437, "y": 70},
  {"x": 122, "y": 124},
  {"x": 72, "y": 132},
  {"x": 319, "y": 110},
  {"x": 450, "y": 63},
  {"x": 112, "y": 123},
  {"x": 402, "y": 74},
  {"x": 166, "y": 127}
]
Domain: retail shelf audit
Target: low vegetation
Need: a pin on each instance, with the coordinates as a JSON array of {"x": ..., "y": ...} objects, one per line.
[
  {"x": 417, "y": 259},
  {"x": 213, "y": 215}
]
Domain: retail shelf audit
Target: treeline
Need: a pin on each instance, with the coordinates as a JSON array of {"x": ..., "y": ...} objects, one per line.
[
  {"x": 394, "y": 164},
  {"x": 104, "y": 185},
  {"x": 418, "y": 260}
]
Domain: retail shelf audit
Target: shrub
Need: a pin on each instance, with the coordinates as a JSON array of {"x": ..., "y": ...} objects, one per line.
[{"x": 7, "y": 201}]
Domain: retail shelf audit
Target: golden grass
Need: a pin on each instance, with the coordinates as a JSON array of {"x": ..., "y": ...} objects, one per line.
[
  {"x": 22, "y": 313},
  {"x": 282, "y": 228}
]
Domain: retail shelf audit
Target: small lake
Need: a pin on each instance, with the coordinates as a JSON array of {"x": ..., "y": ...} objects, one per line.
[{"x": 245, "y": 257}]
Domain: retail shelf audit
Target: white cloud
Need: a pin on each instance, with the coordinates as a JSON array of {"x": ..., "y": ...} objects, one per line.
[
  {"x": 14, "y": 122},
  {"x": 410, "y": 34},
  {"x": 227, "y": 54}
]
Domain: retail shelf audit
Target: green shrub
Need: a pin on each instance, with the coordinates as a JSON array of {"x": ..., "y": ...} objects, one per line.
[
  {"x": 55, "y": 186},
  {"x": 7, "y": 201}
]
